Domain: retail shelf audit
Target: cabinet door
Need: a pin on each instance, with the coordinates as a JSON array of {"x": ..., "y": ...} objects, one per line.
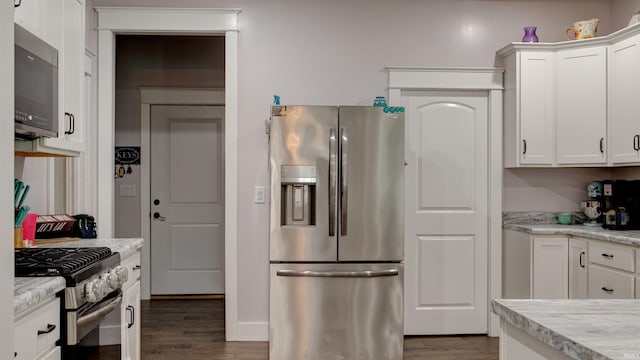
[
  {"x": 29, "y": 15},
  {"x": 577, "y": 269},
  {"x": 550, "y": 268},
  {"x": 536, "y": 111},
  {"x": 130, "y": 323},
  {"x": 624, "y": 119},
  {"x": 581, "y": 104},
  {"x": 609, "y": 284},
  {"x": 638, "y": 287},
  {"x": 71, "y": 62}
]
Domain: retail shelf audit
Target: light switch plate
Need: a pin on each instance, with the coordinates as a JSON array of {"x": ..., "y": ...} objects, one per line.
[
  {"x": 127, "y": 190},
  {"x": 259, "y": 195}
]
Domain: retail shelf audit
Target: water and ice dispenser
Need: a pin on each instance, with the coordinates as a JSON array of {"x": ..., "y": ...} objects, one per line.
[{"x": 298, "y": 195}]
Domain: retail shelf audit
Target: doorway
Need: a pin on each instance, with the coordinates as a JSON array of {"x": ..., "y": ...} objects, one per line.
[
  {"x": 178, "y": 62},
  {"x": 201, "y": 21}
]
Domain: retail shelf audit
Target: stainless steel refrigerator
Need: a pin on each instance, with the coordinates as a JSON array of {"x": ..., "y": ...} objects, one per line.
[{"x": 336, "y": 233}]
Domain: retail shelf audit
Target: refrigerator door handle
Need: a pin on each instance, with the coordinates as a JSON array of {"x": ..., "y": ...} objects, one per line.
[
  {"x": 339, "y": 274},
  {"x": 344, "y": 140},
  {"x": 333, "y": 175}
]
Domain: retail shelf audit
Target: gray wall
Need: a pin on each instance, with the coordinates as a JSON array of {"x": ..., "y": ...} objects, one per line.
[{"x": 155, "y": 61}]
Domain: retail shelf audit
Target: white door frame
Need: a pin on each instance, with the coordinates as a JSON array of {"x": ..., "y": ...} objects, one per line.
[
  {"x": 485, "y": 79},
  {"x": 161, "y": 96},
  {"x": 172, "y": 21}
]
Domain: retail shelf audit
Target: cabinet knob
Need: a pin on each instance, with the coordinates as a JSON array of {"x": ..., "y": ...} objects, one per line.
[
  {"x": 636, "y": 142},
  {"x": 524, "y": 146},
  {"x": 606, "y": 289},
  {"x": 602, "y": 145}
]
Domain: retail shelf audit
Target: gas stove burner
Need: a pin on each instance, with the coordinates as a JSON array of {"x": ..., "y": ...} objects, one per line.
[{"x": 58, "y": 261}]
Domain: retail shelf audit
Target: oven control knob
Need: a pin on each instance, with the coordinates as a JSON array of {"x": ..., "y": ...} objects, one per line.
[
  {"x": 95, "y": 290},
  {"x": 113, "y": 282},
  {"x": 123, "y": 273}
]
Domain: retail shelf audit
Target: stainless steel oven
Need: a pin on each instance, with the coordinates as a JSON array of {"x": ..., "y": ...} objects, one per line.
[{"x": 94, "y": 280}]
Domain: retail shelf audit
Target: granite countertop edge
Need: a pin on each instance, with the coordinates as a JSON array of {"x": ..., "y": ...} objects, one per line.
[
  {"x": 630, "y": 237},
  {"x": 550, "y": 337},
  {"x": 31, "y": 291}
]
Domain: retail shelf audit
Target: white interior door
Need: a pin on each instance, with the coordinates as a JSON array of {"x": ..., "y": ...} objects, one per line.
[
  {"x": 446, "y": 213},
  {"x": 187, "y": 199}
]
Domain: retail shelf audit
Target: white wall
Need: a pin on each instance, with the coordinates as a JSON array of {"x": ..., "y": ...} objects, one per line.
[
  {"x": 548, "y": 189},
  {"x": 334, "y": 52},
  {"x": 621, "y": 11}
]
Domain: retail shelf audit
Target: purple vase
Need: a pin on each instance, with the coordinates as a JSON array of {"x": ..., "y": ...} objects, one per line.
[{"x": 530, "y": 34}]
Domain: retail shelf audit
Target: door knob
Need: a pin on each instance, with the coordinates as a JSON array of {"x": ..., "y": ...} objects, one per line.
[{"x": 156, "y": 215}]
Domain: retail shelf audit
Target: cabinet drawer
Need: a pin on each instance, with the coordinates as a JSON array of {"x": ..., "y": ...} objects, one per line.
[
  {"x": 28, "y": 343},
  {"x": 132, "y": 264},
  {"x": 614, "y": 256},
  {"x": 54, "y": 354},
  {"x": 609, "y": 284}
]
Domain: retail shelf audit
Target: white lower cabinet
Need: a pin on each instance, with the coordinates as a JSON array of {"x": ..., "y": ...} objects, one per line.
[
  {"x": 578, "y": 268},
  {"x": 611, "y": 271},
  {"x": 535, "y": 267},
  {"x": 54, "y": 354},
  {"x": 550, "y": 278},
  {"x": 130, "y": 310},
  {"x": 560, "y": 267},
  {"x": 609, "y": 284},
  {"x": 637, "y": 273},
  {"x": 36, "y": 332}
]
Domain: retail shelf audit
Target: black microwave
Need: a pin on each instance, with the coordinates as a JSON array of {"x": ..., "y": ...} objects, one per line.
[{"x": 36, "y": 86}]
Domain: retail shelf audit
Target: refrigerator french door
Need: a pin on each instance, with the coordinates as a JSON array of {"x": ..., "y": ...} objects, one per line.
[{"x": 336, "y": 233}]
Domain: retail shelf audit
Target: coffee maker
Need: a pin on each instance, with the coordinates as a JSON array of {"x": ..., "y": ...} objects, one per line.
[{"x": 621, "y": 204}]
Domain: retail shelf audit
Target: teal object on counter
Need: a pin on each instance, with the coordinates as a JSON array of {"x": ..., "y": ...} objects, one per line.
[
  {"x": 24, "y": 195},
  {"x": 21, "y": 214}
]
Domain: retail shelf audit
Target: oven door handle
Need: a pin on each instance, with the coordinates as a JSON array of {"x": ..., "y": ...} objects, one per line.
[{"x": 100, "y": 313}]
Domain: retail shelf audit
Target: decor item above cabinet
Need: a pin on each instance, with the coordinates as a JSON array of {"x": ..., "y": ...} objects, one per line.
[{"x": 572, "y": 103}]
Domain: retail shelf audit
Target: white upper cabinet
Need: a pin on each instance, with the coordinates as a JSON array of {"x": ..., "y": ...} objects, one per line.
[
  {"x": 528, "y": 108},
  {"x": 624, "y": 117},
  {"x": 581, "y": 107},
  {"x": 572, "y": 103},
  {"x": 61, "y": 24}
]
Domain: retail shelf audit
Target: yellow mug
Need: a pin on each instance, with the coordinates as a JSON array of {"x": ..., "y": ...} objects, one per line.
[{"x": 584, "y": 29}]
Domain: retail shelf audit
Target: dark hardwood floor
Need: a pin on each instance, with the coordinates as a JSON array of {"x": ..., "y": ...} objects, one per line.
[{"x": 194, "y": 329}]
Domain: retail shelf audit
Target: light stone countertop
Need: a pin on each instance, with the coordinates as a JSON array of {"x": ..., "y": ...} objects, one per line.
[
  {"x": 629, "y": 237},
  {"x": 30, "y": 291},
  {"x": 581, "y": 329}
]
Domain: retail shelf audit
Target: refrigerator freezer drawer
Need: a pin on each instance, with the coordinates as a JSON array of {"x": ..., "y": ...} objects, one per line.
[{"x": 336, "y": 311}]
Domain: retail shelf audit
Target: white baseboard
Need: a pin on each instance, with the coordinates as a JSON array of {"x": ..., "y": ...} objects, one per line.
[
  {"x": 110, "y": 335},
  {"x": 249, "y": 331}
]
